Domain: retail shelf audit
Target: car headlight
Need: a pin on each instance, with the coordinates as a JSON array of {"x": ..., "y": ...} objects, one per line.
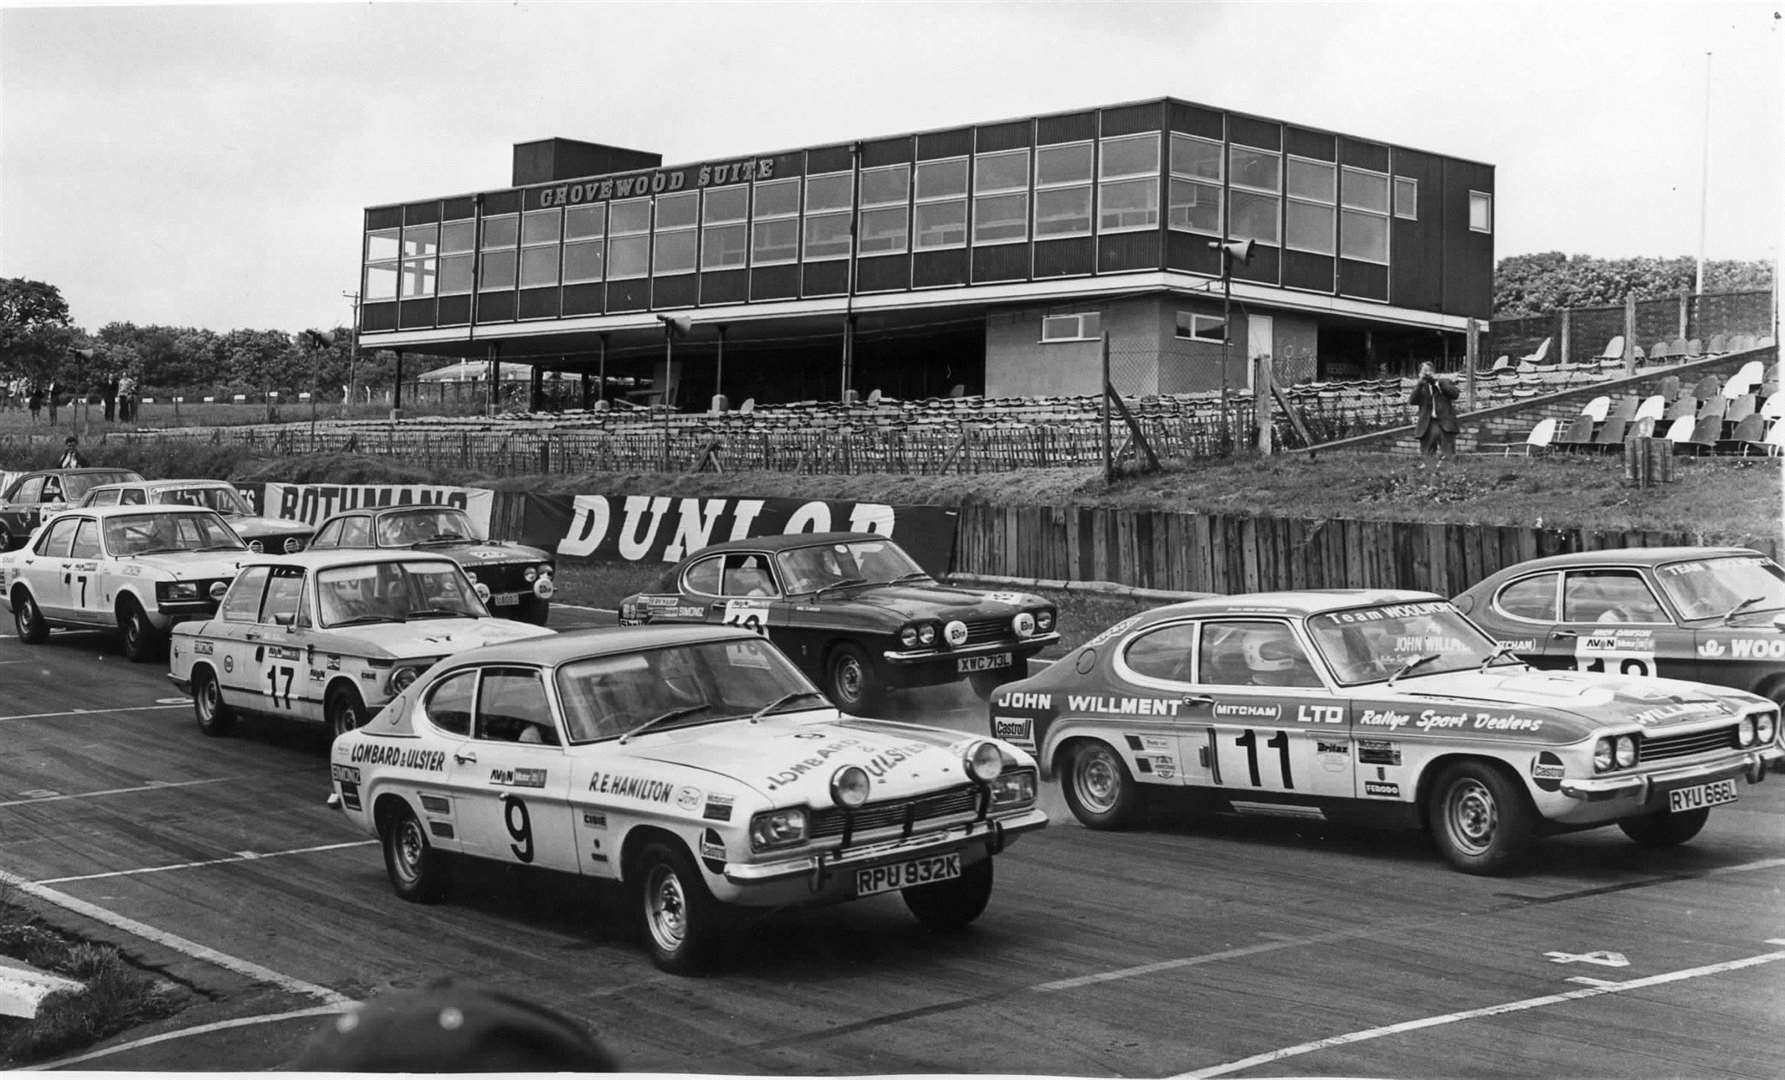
[
  {"x": 983, "y": 761},
  {"x": 1604, "y": 754},
  {"x": 529, "y": 574},
  {"x": 482, "y": 591},
  {"x": 955, "y": 632},
  {"x": 1625, "y": 753},
  {"x": 908, "y": 637},
  {"x": 401, "y": 679},
  {"x": 926, "y": 634},
  {"x": 256, "y": 546},
  {"x": 1766, "y": 727},
  {"x": 293, "y": 545},
  {"x": 849, "y": 786},
  {"x": 178, "y": 590},
  {"x": 1014, "y": 788},
  {"x": 778, "y": 829},
  {"x": 218, "y": 588},
  {"x": 1023, "y": 624},
  {"x": 1744, "y": 731},
  {"x": 1044, "y": 620},
  {"x": 545, "y": 569}
]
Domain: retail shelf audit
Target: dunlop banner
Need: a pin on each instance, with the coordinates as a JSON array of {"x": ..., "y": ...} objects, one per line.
[
  {"x": 665, "y": 528},
  {"x": 313, "y": 502}
]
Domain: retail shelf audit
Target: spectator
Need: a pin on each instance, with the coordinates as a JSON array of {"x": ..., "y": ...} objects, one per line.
[
  {"x": 1436, "y": 427},
  {"x": 109, "y": 391},
  {"x": 72, "y": 458},
  {"x": 55, "y": 399},
  {"x": 35, "y": 401}
]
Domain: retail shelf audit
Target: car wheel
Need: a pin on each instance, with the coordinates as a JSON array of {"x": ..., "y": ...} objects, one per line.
[
  {"x": 853, "y": 684},
  {"x": 140, "y": 640},
  {"x": 1667, "y": 828},
  {"x": 28, "y": 618},
  {"x": 418, "y": 871},
  {"x": 343, "y": 711},
  {"x": 948, "y": 906},
  {"x": 533, "y": 609},
  {"x": 1480, "y": 819},
  {"x": 1099, "y": 788},
  {"x": 214, "y": 717},
  {"x": 680, "y": 919},
  {"x": 986, "y": 683}
]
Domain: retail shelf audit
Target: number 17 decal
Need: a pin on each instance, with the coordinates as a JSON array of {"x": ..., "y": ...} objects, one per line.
[{"x": 279, "y": 677}]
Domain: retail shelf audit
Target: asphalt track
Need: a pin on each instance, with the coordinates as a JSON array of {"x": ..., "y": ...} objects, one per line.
[{"x": 1245, "y": 947}]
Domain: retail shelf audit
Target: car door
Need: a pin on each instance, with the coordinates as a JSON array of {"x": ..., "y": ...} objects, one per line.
[
  {"x": 1169, "y": 739},
  {"x": 89, "y": 598},
  {"x": 446, "y": 799},
  {"x": 44, "y": 569},
  {"x": 234, "y": 635},
  {"x": 519, "y": 811},
  {"x": 277, "y": 646},
  {"x": 1522, "y": 614},
  {"x": 1617, "y": 625},
  {"x": 1276, "y": 728},
  {"x": 21, "y": 512}
]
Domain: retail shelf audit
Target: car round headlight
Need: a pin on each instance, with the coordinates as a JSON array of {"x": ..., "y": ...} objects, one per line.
[
  {"x": 1023, "y": 624},
  {"x": 1744, "y": 731},
  {"x": 1626, "y": 751},
  {"x": 218, "y": 588},
  {"x": 1603, "y": 755},
  {"x": 1766, "y": 727},
  {"x": 529, "y": 574},
  {"x": 983, "y": 761},
  {"x": 293, "y": 545},
  {"x": 955, "y": 632},
  {"x": 849, "y": 786},
  {"x": 908, "y": 637},
  {"x": 1044, "y": 621},
  {"x": 482, "y": 591},
  {"x": 256, "y": 546},
  {"x": 926, "y": 634},
  {"x": 545, "y": 569}
]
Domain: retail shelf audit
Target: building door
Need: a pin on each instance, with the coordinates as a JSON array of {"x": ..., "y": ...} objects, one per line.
[{"x": 1259, "y": 347}]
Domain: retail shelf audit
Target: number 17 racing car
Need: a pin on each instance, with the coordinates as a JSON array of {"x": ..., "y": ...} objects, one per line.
[{"x": 1383, "y": 707}]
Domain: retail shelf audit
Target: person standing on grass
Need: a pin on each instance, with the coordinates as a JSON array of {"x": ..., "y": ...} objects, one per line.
[
  {"x": 35, "y": 401},
  {"x": 72, "y": 458},
  {"x": 1436, "y": 427},
  {"x": 55, "y": 399}
]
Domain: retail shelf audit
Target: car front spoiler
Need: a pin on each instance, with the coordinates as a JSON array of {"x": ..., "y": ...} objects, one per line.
[
  {"x": 1753, "y": 766},
  {"x": 924, "y": 656},
  {"x": 820, "y": 867}
]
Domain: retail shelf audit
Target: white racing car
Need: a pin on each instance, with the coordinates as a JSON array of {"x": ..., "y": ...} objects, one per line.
[{"x": 694, "y": 764}]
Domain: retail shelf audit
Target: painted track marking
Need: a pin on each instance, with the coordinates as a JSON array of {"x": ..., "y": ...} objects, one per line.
[
  {"x": 184, "y": 1033},
  {"x": 90, "y": 712},
  {"x": 1490, "y": 1010},
  {"x": 153, "y": 785},
  {"x": 240, "y": 856}
]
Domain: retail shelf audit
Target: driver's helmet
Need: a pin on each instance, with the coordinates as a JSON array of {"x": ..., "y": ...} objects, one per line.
[{"x": 1257, "y": 661}]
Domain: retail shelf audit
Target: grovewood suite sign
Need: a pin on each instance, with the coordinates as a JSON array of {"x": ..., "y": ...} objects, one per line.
[{"x": 655, "y": 182}]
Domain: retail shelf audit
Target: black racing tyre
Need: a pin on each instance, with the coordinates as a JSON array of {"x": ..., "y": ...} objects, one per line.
[
  {"x": 680, "y": 922},
  {"x": 343, "y": 710},
  {"x": 28, "y": 618},
  {"x": 1480, "y": 819},
  {"x": 418, "y": 871},
  {"x": 949, "y": 906},
  {"x": 986, "y": 683},
  {"x": 140, "y": 640},
  {"x": 1098, "y": 786},
  {"x": 533, "y": 609},
  {"x": 1665, "y": 829},
  {"x": 215, "y": 718},
  {"x": 853, "y": 684}
]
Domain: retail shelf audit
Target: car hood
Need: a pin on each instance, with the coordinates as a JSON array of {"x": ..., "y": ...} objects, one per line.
[
  {"x": 266, "y": 526},
  {"x": 921, "y": 600},
  {"x": 1571, "y": 705},
  {"x": 474, "y": 552},
  {"x": 189, "y": 564},
  {"x": 789, "y": 759},
  {"x": 425, "y": 637}
]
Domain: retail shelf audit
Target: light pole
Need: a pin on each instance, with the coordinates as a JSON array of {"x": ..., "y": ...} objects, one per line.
[
  {"x": 1230, "y": 250},
  {"x": 674, "y": 326},
  {"x": 352, "y": 350}
]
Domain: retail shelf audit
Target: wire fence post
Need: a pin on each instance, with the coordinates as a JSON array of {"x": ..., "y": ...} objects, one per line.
[{"x": 1109, "y": 456}]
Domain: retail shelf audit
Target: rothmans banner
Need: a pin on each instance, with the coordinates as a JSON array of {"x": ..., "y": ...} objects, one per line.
[
  {"x": 311, "y": 503},
  {"x": 666, "y": 528}
]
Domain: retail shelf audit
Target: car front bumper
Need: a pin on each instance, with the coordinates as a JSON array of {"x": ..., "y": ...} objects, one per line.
[
  {"x": 1608, "y": 798},
  {"x": 926, "y": 667}
]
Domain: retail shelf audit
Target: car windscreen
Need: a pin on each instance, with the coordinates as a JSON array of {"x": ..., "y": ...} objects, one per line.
[
  {"x": 395, "y": 592},
  {"x": 871, "y": 561},
  {"x": 225, "y": 500},
  {"x": 605, "y": 696},
  {"x": 1370, "y": 644},
  {"x": 75, "y": 485},
  {"x": 148, "y": 533},
  {"x": 1713, "y": 588},
  {"x": 422, "y": 525}
]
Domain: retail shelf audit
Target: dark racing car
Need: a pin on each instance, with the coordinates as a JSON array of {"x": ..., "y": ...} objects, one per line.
[
  {"x": 855, "y": 612},
  {"x": 1716, "y": 615},
  {"x": 514, "y": 579},
  {"x": 30, "y": 495}
]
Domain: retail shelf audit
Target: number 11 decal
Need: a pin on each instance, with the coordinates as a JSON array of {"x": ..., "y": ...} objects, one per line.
[{"x": 1278, "y": 742}]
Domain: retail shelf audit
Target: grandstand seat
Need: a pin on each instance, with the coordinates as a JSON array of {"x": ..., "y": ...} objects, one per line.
[
  {"x": 1694, "y": 349},
  {"x": 1578, "y": 434},
  {"x": 1773, "y": 405},
  {"x": 1709, "y": 386},
  {"x": 1622, "y": 408},
  {"x": 1501, "y": 363},
  {"x": 1746, "y": 434},
  {"x": 1611, "y": 433},
  {"x": 1643, "y": 427},
  {"x": 1679, "y": 431},
  {"x": 1542, "y": 435},
  {"x": 1706, "y": 430},
  {"x": 1614, "y": 349},
  {"x": 1719, "y": 344},
  {"x": 1677, "y": 348},
  {"x": 1713, "y": 407},
  {"x": 1739, "y": 409},
  {"x": 1638, "y": 356},
  {"x": 1653, "y": 407},
  {"x": 1541, "y": 356},
  {"x": 1670, "y": 387},
  {"x": 1774, "y": 443},
  {"x": 1746, "y": 380},
  {"x": 1597, "y": 408},
  {"x": 1660, "y": 353},
  {"x": 1741, "y": 342},
  {"x": 1765, "y": 341},
  {"x": 1684, "y": 405}
]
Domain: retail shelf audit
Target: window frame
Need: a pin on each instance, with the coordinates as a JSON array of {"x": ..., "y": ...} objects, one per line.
[
  {"x": 776, "y": 217},
  {"x": 1080, "y": 319},
  {"x": 1408, "y": 212},
  {"x": 960, "y": 200},
  {"x": 1086, "y": 184},
  {"x": 1329, "y": 204},
  {"x": 1358, "y": 211},
  {"x": 583, "y": 241},
  {"x": 661, "y": 234},
  {"x": 711, "y": 227},
  {"x": 985, "y": 193},
  {"x": 882, "y": 208},
  {"x": 1147, "y": 179},
  {"x": 629, "y": 236},
  {"x": 826, "y": 216},
  {"x": 1485, "y": 200},
  {"x": 539, "y": 247},
  {"x": 1196, "y": 321}
]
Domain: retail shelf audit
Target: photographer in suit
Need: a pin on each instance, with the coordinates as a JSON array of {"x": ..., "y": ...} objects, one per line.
[{"x": 1436, "y": 427}]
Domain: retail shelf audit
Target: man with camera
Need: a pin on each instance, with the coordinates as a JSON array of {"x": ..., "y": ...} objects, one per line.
[{"x": 1436, "y": 427}]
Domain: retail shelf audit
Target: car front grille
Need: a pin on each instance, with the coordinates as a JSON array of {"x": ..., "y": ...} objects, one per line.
[
  {"x": 907, "y": 814},
  {"x": 987, "y": 631},
  {"x": 1668, "y": 747}
]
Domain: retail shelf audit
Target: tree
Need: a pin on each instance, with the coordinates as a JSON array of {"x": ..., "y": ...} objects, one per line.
[
  {"x": 35, "y": 331},
  {"x": 1550, "y": 280}
]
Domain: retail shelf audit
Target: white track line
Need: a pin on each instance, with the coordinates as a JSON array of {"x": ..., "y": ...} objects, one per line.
[
  {"x": 89, "y": 712},
  {"x": 1491, "y": 1010},
  {"x": 242, "y": 856},
  {"x": 202, "y": 1029},
  {"x": 153, "y": 785}
]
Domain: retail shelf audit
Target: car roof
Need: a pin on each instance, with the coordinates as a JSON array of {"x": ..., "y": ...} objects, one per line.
[
  {"x": 134, "y": 509},
  {"x": 1645, "y": 556},
  {"x": 392, "y": 509},
  {"x": 157, "y": 485},
  {"x": 1297, "y": 602},
  {"x": 323, "y": 558},
  {"x": 551, "y": 650},
  {"x": 788, "y": 542}
]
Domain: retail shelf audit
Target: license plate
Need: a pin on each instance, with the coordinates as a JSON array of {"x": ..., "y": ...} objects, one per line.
[
  {"x": 505, "y": 598},
  {"x": 1701, "y": 796},
  {"x": 968, "y": 664},
  {"x": 903, "y": 875}
]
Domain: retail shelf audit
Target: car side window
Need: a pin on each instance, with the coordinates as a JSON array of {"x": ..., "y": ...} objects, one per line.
[
  {"x": 512, "y": 707},
  {"x": 86, "y": 541},
  {"x": 1163, "y": 653},
  {"x": 55, "y": 540},
  {"x": 283, "y": 605},
  {"x": 1608, "y": 596},
  {"x": 747, "y": 574},
  {"x": 242, "y": 602},
  {"x": 1253, "y": 653},
  {"x": 356, "y": 532},
  {"x": 703, "y": 576},
  {"x": 102, "y": 497},
  {"x": 1532, "y": 598},
  {"x": 31, "y": 491},
  {"x": 328, "y": 536},
  {"x": 449, "y": 703},
  {"x": 133, "y": 497}
]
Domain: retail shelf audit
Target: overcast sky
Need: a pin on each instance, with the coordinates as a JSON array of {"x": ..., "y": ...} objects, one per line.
[{"x": 208, "y": 165}]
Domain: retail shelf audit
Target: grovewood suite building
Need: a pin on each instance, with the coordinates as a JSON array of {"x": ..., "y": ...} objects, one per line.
[{"x": 991, "y": 257}]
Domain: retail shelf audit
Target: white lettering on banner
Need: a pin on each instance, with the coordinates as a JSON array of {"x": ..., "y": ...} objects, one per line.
[
  {"x": 588, "y": 526},
  {"x": 311, "y": 503},
  {"x": 668, "y": 529},
  {"x": 744, "y": 517},
  {"x": 631, "y": 547},
  {"x": 812, "y": 517},
  {"x": 694, "y": 528},
  {"x": 871, "y": 518}
]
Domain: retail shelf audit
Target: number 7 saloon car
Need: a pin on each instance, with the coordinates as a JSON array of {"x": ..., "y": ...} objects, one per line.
[
  {"x": 328, "y": 637},
  {"x": 1381, "y": 707},
  {"x": 695, "y": 766}
]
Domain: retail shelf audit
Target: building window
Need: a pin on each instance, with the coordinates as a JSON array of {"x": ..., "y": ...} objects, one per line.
[
  {"x": 1195, "y": 185},
  {"x": 1308, "y": 215},
  {"x": 541, "y": 233},
  {"x": 1063, "y": 190},
  {"x": 1407, "y": 198},
  {"x": 1363, "y": 221},
  {"x": 1001, "y": 197},
  {"x": 939, "y": 219},
  {"x": 1198, "y": 327},
  {"x": 585, "y": 242},
  {"x": 1256, "y": 179},
  {"x": 421, "y": 252},
  {"x": 1128, "y": 188},
  {"x": 676, "y": 241},
  {"x": 500, "y": 235},
  {"x": 629, "y": 239},
  {"x": 775, "y": 224},
  {"x": 1081, "y": 326},
  {"x": 828, "y": 200},
  {"x": 383, "y": 246},
  {"x": 1481, "y": 212},
  {"x": 885, "y": 225},
  {"x": 458, "y": 247},
  {"x": 725, "y": 228}
]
